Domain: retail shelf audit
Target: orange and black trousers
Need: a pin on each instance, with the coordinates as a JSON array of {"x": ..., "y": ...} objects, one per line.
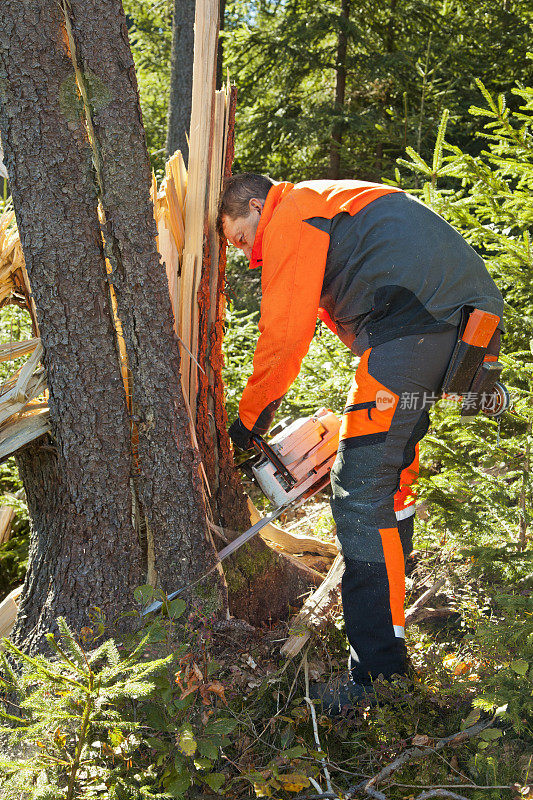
[{"x": 373, "y": 498}]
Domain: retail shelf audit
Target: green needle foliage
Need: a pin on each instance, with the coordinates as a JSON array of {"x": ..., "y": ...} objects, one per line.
[
  {"x": 72, "y": 726},
  {"x": 114, "y": 723},
  {"x": 405, "y": 61},
  {"x": 477, "y": 478}
]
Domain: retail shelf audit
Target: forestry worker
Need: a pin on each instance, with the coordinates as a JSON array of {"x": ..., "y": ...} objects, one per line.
[{"x": 389, "y": 277}]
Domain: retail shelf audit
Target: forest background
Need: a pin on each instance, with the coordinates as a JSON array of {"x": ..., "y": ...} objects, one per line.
[{"x": 432, "y": 96}]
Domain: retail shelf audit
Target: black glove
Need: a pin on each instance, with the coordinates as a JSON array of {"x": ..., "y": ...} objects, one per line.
[{"x": 240, "y": 436}]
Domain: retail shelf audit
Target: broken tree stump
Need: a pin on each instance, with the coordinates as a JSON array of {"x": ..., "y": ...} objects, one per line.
[{"x": 313, "y": 609}]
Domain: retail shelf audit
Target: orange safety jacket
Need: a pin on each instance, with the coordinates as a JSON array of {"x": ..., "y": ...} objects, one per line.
[{"x": 328, "y": 249}]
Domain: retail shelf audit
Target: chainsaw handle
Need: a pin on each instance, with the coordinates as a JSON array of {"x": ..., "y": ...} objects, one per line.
[{"x": 264, "y": 448}]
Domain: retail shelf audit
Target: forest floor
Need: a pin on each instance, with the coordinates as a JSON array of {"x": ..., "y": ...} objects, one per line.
[
  {"x": 402, "y": 739},
  {"x": 399, "y": 748},
  {"x": 231, "y": 717}
]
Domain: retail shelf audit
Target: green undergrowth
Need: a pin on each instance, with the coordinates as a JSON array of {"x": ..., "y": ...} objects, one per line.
[{"x": 186, "y": 708}]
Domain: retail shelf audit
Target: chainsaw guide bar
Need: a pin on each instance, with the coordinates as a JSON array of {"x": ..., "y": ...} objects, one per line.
[{"x": 290, "y": 469}]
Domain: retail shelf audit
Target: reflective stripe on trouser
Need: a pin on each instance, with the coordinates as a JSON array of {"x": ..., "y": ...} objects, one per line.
[{"x": 373, "y": 495}]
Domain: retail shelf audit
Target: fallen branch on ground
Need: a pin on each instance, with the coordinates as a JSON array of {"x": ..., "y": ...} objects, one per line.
[
  {"x": 314, "y": 609},
  {"x": 292, "y": 542},
  {"x": 412, "y": 612},
  {"x": 415, "y": 754},
  {"x": 440, "y": 793}
]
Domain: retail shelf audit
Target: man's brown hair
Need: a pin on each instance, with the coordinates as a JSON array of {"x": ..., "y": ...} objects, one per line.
[{"x": 237, "y": 193}]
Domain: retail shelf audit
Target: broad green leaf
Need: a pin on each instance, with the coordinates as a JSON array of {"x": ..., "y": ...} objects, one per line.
[
  {"x": 156, "y": 744},
  {"x": 186, "y": 741},
  {"x": 520, "y": 666},
  {"x": 215, "y": 780},
  {"x": 143, "y": 594},
  {"x": 176, "y": 608},
  {"x": 294, "y": 752},
  {"x": 207, "y": 749},
  {"x": 179, "y": 785},
  {"x": 490, "y": 734},
  {"x": 219, "y": 727},
  {"x": 472, "y": 718},
  {"x": 203, "y": 763}
]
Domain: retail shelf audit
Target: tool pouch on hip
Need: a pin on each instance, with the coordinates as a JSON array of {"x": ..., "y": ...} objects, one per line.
[{"x": 472, "y": 371}]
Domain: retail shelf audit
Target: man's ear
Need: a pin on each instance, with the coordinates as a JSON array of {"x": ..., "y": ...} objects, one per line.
[{"x": 256, "y": 205}]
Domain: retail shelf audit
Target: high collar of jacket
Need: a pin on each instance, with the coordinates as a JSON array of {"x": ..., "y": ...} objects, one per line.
[{"x": 273, "y": 199}]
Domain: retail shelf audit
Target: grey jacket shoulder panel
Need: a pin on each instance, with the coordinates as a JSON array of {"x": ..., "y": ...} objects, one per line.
[{"x": 396, "y": 267}]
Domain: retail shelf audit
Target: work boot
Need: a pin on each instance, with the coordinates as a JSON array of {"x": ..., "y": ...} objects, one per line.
[{"x": 341, "y": 694}]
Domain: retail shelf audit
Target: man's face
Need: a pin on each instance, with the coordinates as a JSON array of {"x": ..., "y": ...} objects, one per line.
[{"x": 240, "y": 232}]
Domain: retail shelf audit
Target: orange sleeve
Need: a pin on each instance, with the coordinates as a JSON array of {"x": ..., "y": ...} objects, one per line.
[
  {"x": 294, "y": 261},
  {"x": 324, "y": 317}
]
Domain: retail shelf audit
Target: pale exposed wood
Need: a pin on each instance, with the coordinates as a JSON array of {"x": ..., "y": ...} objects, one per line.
[
  {"x": 6, "y": 518},
  {"x": 413, "y": 611},
  {"x": 11, "y": 406},
  {"x": 14, "y": 281},
  {"x": 26, "y": 384},
  {"x": 13, "y": 350},
  {"x": 313, "y": 609},
  {"x": 315, "y": 577},
  {"x": 29, "y": 426},
  {"x": 170, "y": 257},
  {"x": 8, "y": 611},
  {"x": 292, "y": 542},
  {"x": 204, "y": 73}
]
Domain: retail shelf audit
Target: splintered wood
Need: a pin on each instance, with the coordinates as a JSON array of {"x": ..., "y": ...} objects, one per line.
[
  {"x": 23, "y": 406},
  {"x": 180, "y": 242},
  {"x": 185, "y": 205},
  {"x": 8, "y": 611},
  {"x": 314, "y": 608},
  {"x": 6, "y": 518},
  {"x": 14, "y": 281}
]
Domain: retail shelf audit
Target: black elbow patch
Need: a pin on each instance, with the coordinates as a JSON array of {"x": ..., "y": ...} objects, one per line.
[{"x": 264, "y": 420}]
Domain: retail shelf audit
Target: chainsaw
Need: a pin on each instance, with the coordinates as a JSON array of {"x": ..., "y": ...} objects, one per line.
[{"x": 289, "y": 469}]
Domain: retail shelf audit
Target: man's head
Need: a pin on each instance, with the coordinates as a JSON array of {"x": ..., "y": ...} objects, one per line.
[{"x": 240, "y": 207}]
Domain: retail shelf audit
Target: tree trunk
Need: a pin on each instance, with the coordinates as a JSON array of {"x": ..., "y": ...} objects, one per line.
[
  {"x": 340, "y": 92},
  {"x": 179, "y": 109},
  {"x": 262, "y": 583},
  {"x": 169, "y": 483},
  {"x": 389, "y": 48},
  {"x": 84, "y": 549},
  {"x": 220, "y": 53}
]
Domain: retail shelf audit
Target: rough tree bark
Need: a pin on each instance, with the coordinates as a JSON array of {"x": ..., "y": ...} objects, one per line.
[
  {"x": 84, "y": 549},
  {"x": 340, "y": 92},
  {"x": 179, "y": 109},
  {"x": 169, "y": 482}
]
